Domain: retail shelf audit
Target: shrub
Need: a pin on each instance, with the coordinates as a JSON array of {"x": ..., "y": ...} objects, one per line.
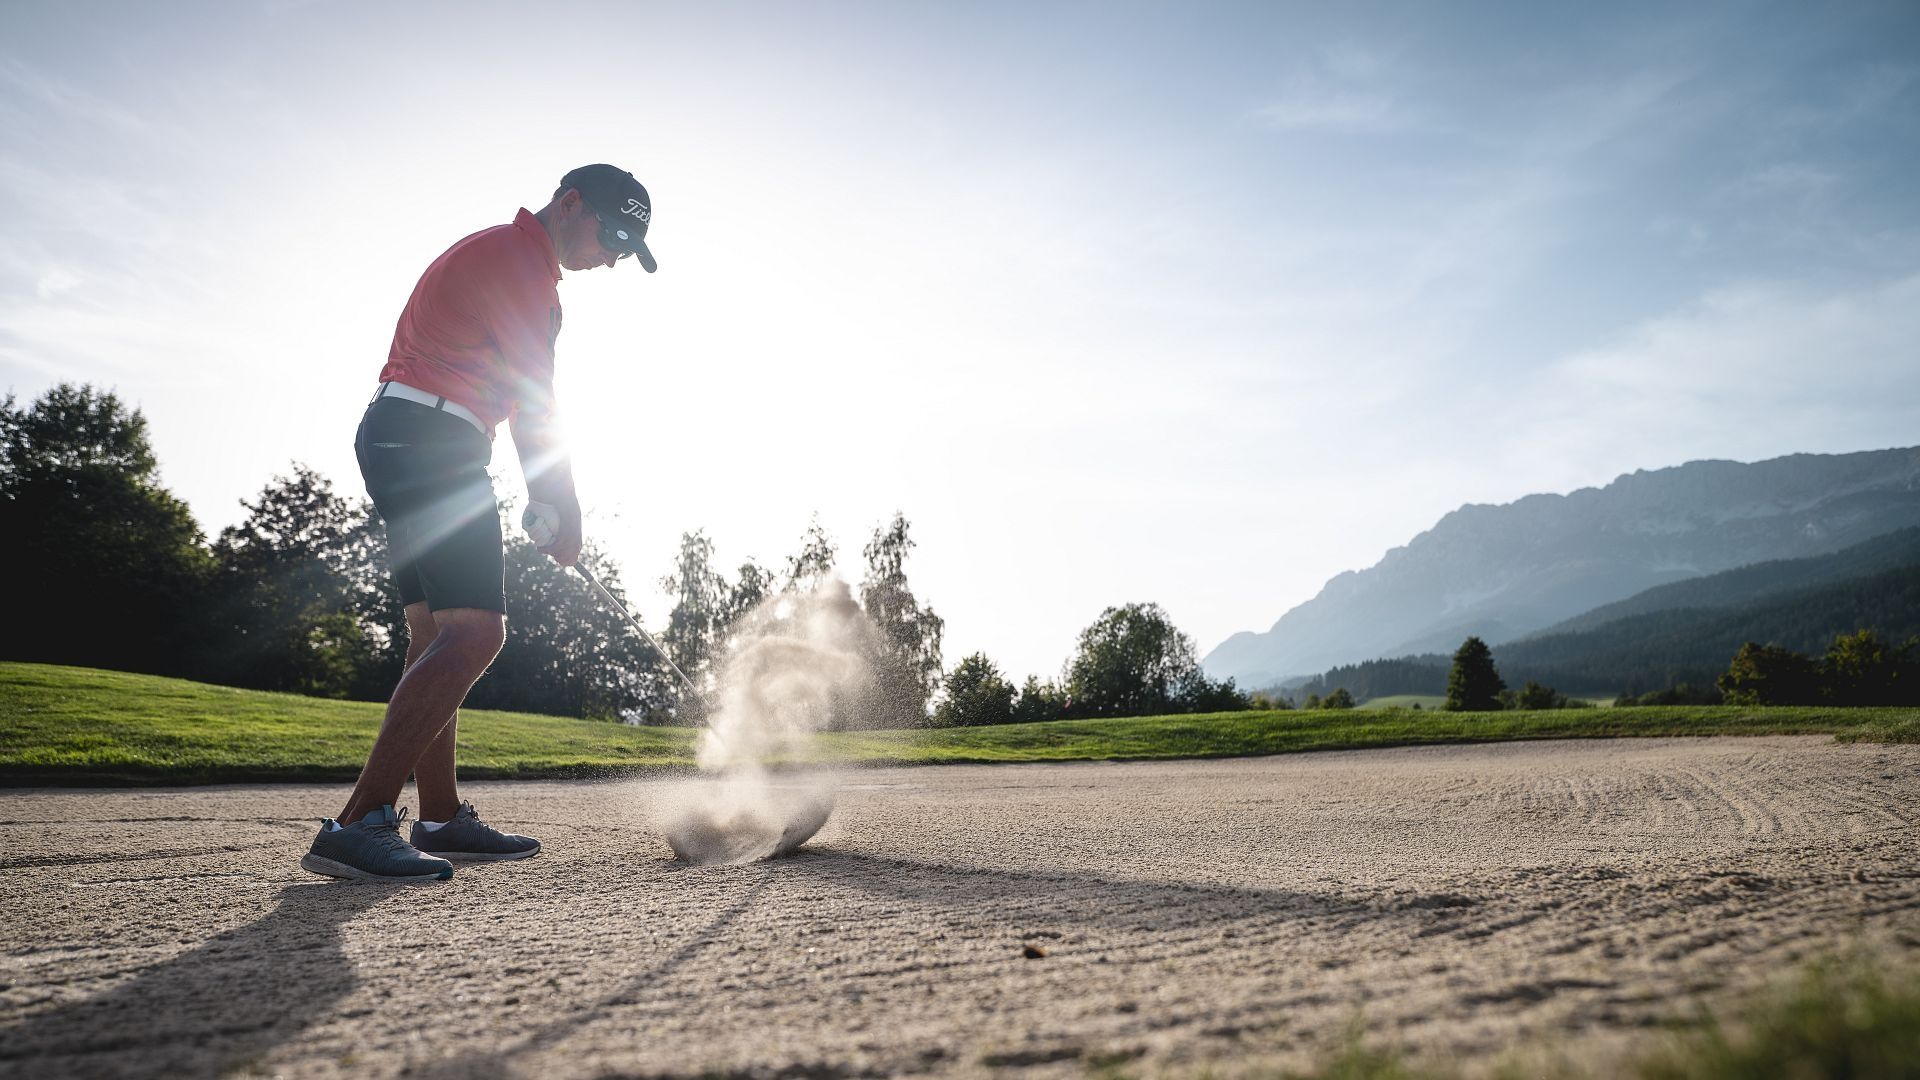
[
  {"x": 1770, "y": 675},
  {"x": 975, "y": 695}
]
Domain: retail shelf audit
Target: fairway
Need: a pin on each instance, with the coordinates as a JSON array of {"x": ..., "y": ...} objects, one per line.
[
  {"x": 85, "y": 726},
  {"x": 1406, "y": 701},
  {"x": 1154, "y": 918}
]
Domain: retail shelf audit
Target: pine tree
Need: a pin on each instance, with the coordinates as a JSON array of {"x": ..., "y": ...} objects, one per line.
[{"x": 1474, "y": 684}]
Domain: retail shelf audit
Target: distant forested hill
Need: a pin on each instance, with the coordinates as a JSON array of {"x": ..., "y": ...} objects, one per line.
[
  {"x": 1693, "y": 645},
  {"x": 1750, "y": 584},
  {"x": 1426, "y": 674},
  {"x": 1688, "y": 631}
]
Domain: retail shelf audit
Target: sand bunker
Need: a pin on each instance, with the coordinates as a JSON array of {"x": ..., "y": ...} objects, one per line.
[{"x": 1047, "y": 921}]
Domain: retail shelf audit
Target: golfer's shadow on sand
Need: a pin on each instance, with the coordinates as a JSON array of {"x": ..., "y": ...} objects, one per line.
[
  {"x": 1034, "y": 900},
  {"x": 1040, "y": 899},
  {"x": 498, "y": 1062},
  {"x": 212, "y": 1009}
]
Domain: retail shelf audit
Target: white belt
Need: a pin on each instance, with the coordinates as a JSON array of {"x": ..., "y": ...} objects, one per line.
[{"x": 413, "y": 393}]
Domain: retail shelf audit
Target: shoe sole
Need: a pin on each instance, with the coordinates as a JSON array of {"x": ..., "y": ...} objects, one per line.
[
  {"x": 478, "y": 856},
  {"x": 320, "y": 864}
]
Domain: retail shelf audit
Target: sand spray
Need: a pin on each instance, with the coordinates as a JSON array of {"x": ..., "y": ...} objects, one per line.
[{"x": 789, "y": 665}]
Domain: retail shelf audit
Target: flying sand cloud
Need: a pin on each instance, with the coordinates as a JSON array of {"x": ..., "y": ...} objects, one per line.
[{"x": 788, "y": 667}]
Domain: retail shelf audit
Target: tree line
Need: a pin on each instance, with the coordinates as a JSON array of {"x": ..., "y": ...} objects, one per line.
[
  {"x": 1132, "y": 661},
  {"x": 1662, "y": 649},
  {"x": 1856, "y": 669},
  {"x": 297, "y": 597}
]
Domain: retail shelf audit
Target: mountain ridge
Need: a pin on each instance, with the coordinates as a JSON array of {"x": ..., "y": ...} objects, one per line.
[
  {"x": 1686, "y": 631},
  {"x": 1502, "y": 571}
]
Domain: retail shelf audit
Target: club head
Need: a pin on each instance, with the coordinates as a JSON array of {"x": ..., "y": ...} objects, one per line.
[{"x": 803, "y": 821}]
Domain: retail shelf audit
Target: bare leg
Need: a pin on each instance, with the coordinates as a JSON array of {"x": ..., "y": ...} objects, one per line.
[
  {"x": 439, "y": 797},
  {"x": 464, "y": 642},
  {"x": 434, "y": 772}
]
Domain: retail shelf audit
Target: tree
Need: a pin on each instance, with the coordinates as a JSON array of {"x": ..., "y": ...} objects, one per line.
[
  {"x": 810, "y": 566},
  {"x": 753, "y": 585},
  {"x": 1130, "y": 662},
  {"x": 375, "y": 604},
  {"x": 568, "y": 654},
  {"x": 1678, "y": 694},
  {"x": 707, "y": 608},
  {"x": 1038, "y": 702},
  {"x": 975, "y": 695},
  {"x": 701, "y": 602},
  {"x": 906, "y": 661},
  {"x": 1860, "y": 669},
  {"x": 84, "y": 510},
  {"x": 1474, "y": 684},
  {"x": 288, "y": 605},
  {"x": 1197, "y": 693},
  {"x": 1770, "y": 675},
  {"x": 1535, "y": 696},
  {"x": 1339, "y": 699}
]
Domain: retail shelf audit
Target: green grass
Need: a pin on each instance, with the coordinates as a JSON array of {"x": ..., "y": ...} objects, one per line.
[
  {"x": 1847, "y": 1018},
  {"x": 1406, "y": 701},
  {"x": 81, "y": 725},
  {"x": 1841, "y": 1018},
  {"x": 68, "y": 725},
  {"x": 1439, "y": 701}
]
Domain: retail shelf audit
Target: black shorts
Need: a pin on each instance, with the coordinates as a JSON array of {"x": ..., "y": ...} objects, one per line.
[{"x": 427, "y": 473}]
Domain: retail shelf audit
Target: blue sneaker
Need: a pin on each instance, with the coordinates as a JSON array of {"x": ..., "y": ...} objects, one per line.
[
  {"x": 371, "y": 849},
  {"x": 468, "y": 838}
]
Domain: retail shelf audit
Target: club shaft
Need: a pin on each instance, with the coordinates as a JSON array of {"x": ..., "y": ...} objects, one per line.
[{"x": 635, "y": 623}]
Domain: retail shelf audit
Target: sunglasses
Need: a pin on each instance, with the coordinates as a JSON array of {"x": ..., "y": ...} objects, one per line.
[{"x": 613, "y": 237}]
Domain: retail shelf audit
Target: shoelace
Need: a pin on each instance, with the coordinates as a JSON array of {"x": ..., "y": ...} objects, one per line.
[{"x": 388, "y": 835}]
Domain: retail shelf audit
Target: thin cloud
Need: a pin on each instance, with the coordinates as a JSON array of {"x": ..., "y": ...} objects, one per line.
[
  {"x": 1320, "y": 108},
  {"x": 55, "y": 280},
  {"x": 69, "y": 100},
  {"x": 1742, "y": 372}
]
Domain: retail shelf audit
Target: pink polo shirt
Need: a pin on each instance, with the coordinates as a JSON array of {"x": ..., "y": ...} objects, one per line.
[{"x": 480, "y": 326}]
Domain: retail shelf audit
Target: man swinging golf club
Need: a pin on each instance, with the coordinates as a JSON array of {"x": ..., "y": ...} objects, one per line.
[{"x": 474, "y": 346}]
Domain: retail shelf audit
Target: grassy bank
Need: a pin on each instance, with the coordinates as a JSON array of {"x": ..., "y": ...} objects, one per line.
[
  {"x": 1852, "y": 1018},
  {"x": 1406, "y": 701},
  {"x": 61, "y": 725},
  {"x": 81, "y": 725}
]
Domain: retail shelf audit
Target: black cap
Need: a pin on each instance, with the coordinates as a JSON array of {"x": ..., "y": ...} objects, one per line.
[{"x": 623, "y": 206}]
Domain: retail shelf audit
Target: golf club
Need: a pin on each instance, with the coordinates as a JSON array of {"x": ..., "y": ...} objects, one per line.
[{"x": 635, "y": 623}]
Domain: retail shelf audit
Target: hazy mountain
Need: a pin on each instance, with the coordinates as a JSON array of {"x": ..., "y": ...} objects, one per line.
[{"x": 1505, "y": 571}]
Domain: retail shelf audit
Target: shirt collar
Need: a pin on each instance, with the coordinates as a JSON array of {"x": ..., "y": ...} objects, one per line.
[{"x": 527, "y": 223}]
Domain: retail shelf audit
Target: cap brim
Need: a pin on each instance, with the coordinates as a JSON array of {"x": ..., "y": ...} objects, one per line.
[{"x": 645, "y": 257}]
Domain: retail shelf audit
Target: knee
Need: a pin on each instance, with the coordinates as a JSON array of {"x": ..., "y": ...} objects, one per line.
[{"x": 476, "y": 639}]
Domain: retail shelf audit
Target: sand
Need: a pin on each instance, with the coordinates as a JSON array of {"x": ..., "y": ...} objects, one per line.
[{"x": 1232, "y": 916}]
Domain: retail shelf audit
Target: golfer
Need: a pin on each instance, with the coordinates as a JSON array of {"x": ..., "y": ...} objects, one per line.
[{"x": 474, "y": 346}]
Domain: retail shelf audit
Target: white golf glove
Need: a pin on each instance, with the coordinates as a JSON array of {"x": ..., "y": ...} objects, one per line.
[{"x": 542, "y": 523}]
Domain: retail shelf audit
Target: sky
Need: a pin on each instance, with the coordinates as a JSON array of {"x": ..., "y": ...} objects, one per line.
[{"x": 1196, "y": 304}]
